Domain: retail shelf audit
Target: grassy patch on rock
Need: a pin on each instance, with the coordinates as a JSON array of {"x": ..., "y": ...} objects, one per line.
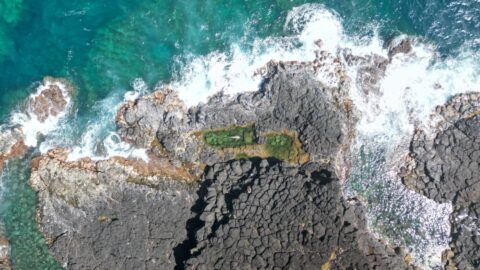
[
  {"x": 242, "y": 141},
  {"x": 230, "y": 137},
  {"x": 283, "y": 145}
]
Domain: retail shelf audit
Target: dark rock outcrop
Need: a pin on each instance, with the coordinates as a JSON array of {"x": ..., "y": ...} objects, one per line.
[
  {"x": 129, "y": 214},
  {"x": 290, "y": 98},
  {"x": 399, "y": 45},
  {"x": 444, "y": 165},
  {"x": 110, "y": 214},
  {"x": 262, "y": 216}
]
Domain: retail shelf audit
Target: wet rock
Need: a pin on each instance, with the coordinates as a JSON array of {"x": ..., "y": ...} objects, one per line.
[
  {"x": 140, "y": 120},
  {"x": 399, "y": 45},
  {"x": 444, "y": 165},
  {"x": 50, "y": 100}
]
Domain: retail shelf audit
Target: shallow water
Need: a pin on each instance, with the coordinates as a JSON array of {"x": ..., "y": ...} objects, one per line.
[{"x": 201, "y": 47}]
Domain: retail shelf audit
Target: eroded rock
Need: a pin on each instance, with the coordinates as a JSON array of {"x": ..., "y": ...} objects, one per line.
[
  {"x": 112, "y": 214},
  {"x": 277, "y": 216},
  {"x": 444, "y": 165},
  {"x": 291, "y": 98}
]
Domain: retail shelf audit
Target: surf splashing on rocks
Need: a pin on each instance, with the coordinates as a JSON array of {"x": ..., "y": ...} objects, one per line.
[
  {"x": 44, "y": 110},
  {"x": 100, "y": 140},
  {"x": 394, "y": 86}
]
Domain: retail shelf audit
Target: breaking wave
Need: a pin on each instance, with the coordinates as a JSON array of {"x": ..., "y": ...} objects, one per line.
[
  {"x": 404, "y": 96},
  {"x": 400, "y": 99}
]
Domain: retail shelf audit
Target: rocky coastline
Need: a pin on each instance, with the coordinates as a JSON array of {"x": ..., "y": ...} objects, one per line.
[
  {"x": 443, "y": 165},
  {"x": 251, "y": 181}
]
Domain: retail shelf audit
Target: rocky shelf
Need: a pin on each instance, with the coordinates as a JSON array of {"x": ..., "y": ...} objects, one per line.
[
  {"x": 443, "y": 165},
  {"x": 251, "y": 181}
]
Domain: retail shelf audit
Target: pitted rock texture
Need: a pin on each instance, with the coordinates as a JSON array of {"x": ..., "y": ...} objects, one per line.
[
  {"x": 262, "y": 216},
  {"x": 466, "y": 236},
  {"x": 259, "y": 214},
  {"x": 289, "y": 98},
  {"x": 110, "y": 214},
  {"x": 448, "y": 169},
  {"x": 445, "y": 166}
]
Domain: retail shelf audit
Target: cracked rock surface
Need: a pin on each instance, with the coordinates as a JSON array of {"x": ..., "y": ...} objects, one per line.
[
  {"x": 262, "y": 216},
  {"x": 95, "y": 217},
  {"x": 195, "y": 207},
  {"x": 290, "y": 97},
  {"x": 445, "y": 166}
]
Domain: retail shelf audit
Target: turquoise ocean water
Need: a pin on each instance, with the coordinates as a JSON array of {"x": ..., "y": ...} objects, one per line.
[{"x": 102, "y": 46}]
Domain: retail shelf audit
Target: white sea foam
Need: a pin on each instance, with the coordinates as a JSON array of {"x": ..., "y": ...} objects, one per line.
[
  {"x": 100, "y": 141},
  {"x": 31, "y": 125},
  {"x": 139, "y": 88},
  {"x": 414, "y": 83}
]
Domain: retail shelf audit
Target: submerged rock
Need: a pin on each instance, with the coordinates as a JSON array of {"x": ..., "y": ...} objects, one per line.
[
  {"x": 11, "y": 144},
  {"x": 444, "y": 165}
]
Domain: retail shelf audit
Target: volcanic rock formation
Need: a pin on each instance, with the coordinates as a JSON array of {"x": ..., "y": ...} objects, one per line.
[
  {"x": 444, "y": 165},
  {"x": 200, "y": 206},
  {"x": 290, "y": 98},
  {"x": 276, "y": 216}
]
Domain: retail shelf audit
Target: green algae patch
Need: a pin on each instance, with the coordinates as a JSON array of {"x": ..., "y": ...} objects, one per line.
[
  {"x": 242, "y": 156},
  {"x": 283, "y": 145},
  {"x": 280, "y": 146},
  {"x": 236, "y": 136}
]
